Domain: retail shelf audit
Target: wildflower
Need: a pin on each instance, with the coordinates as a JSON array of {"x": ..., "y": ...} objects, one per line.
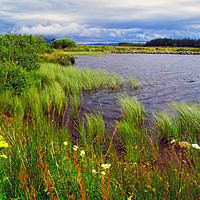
[
  {"x": 65, "y": 143},
  {"x": 196, "y": 146},
  {"x": 173, "y": 141},
  {"x": 103, "y": 173},
  {"x": 130, "y": 197},
  {"x": 106, "y": 166},
  {"x": 3, "y": 156},
  {"x": 94, "y": 171},
  {"x": 82, "y": 153},
  {"x": 75, "y": 148},
  {"x": 3, "y": 144}
]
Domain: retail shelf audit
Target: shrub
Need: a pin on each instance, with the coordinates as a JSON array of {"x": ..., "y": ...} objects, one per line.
[
  {"x": 14, "y": 78},
  {"x": 22, "y": 50},
  {"x": 63, "y": 43}
]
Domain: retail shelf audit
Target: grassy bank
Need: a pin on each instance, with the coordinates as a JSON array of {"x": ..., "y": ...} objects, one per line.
[
  {"x": 105, "y": 49},
  {"x": 51, "y": 149},
  {"x": 53, "y": 153}
]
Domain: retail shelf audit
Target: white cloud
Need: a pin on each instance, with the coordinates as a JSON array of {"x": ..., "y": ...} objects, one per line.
[
  {"x": 54, "y": 29},
  {"x": 102, "y": 20}
]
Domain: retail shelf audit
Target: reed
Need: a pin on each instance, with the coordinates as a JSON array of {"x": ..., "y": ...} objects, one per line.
[
  {"x": 168, "y": 125},
  {"x": 45, "y": 161},
  {"x": 75, "y": 104},
  {"x": 75, "y": 80},
  {"x": 132, "y": 110},
  {"x": 131, "y": 128},
  {"x": 133, "y": 83},
  {"x": 190, "y": 120}
]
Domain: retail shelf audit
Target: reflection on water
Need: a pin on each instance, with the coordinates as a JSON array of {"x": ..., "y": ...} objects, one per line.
[{"x": 165, "y": 78}]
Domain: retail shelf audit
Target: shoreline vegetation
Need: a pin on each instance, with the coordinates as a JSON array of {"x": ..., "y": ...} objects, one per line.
[
  {"x": 50, "y": 148},
  {"x": 96, "y": 50}
]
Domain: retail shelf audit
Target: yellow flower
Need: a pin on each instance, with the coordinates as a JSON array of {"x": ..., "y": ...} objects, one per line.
[
  {"x": 3, "y": 156},
  {"x": 82, "y": 153},
  {"x": 1, "y": 137},
  {"x": 130, "y": 197},
  {"x": 3, "y": 144}
]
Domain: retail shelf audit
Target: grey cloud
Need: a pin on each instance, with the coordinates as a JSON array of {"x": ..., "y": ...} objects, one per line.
[{"x": 92, "y": 20}]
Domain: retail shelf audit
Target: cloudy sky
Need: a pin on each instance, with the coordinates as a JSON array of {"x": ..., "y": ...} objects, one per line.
[{"x": 90, "y": 21}]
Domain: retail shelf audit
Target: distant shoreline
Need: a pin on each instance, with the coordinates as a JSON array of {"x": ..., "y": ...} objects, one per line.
[{"x": 107, "y": 49}]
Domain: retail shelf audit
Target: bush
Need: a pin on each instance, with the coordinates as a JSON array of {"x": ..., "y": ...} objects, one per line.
[
  {"x": 14, "y": 78},
  {"x": 22, "y": 50},
  {"x": 63, "y": 43}
]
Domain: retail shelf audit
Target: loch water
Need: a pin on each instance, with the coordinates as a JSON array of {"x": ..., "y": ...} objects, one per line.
[{"x": 165, "y": 78}]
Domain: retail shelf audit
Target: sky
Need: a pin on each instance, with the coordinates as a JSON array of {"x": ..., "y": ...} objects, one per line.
[{"x": 102, "y": 21}]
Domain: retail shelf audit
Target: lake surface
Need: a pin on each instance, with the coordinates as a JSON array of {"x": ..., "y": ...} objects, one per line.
[{"x": 165, "y": 78}]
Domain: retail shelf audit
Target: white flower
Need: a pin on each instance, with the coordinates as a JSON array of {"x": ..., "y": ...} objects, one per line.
[
  {"x": 103, "y": 173},
  {"x": 94, "y": 171},
  {"x": 106, "y": 166},
  {"x": 173, "y": 141},
  {"x": 82, "y": 153},
  {"x": 75, "y": 147},
  {"x": 196, "y": 146},
  {"x": 65, "y": 143}
]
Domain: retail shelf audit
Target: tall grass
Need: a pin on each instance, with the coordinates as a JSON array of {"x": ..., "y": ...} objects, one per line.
[
  {"x": 133, "y": 83},
  {"x": 168, "y": 125},
  {"x": 190, "y": 120},
  {"x": 75, "y": 80},
  {"x": 46, "y": 162},
  {"x": 93, "y": 134},
  {"x": 131, "y": 127}
]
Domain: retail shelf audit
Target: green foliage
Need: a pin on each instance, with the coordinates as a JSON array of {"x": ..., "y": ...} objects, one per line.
[
  {"x": 63, "y": 43},
  {"x": 14, "y": 78},
  {"x": 174, "y": 42},
  {"x": 130, "y": 44},
  {"x": 22, "y": 50}
]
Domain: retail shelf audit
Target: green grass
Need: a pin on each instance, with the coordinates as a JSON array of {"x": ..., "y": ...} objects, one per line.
[
  {"x": 131, "y": 128},
  {"x": 43, "y": 162},
  {"x": 105, "y": 49},
  {"x": 133, "y": 83},
  {"x": 86, "y": 53},
  {"x": 168, "y": 125}
]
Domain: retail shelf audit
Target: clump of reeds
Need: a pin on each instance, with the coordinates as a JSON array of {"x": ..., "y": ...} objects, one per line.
[
  {"x": 133, "y": 83},
  {"x": 92, "y": 133},
  {"x": 168, "y": 125},
  {"x": 131, "y": 126},
  {"x": 75, "y": 80},
  {"x": 75, "y": 104},
  {"x": 190, "y": 120}
]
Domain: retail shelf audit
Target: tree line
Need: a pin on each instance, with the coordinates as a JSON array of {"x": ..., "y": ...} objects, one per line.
[{"x": 174, "y": 42}]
